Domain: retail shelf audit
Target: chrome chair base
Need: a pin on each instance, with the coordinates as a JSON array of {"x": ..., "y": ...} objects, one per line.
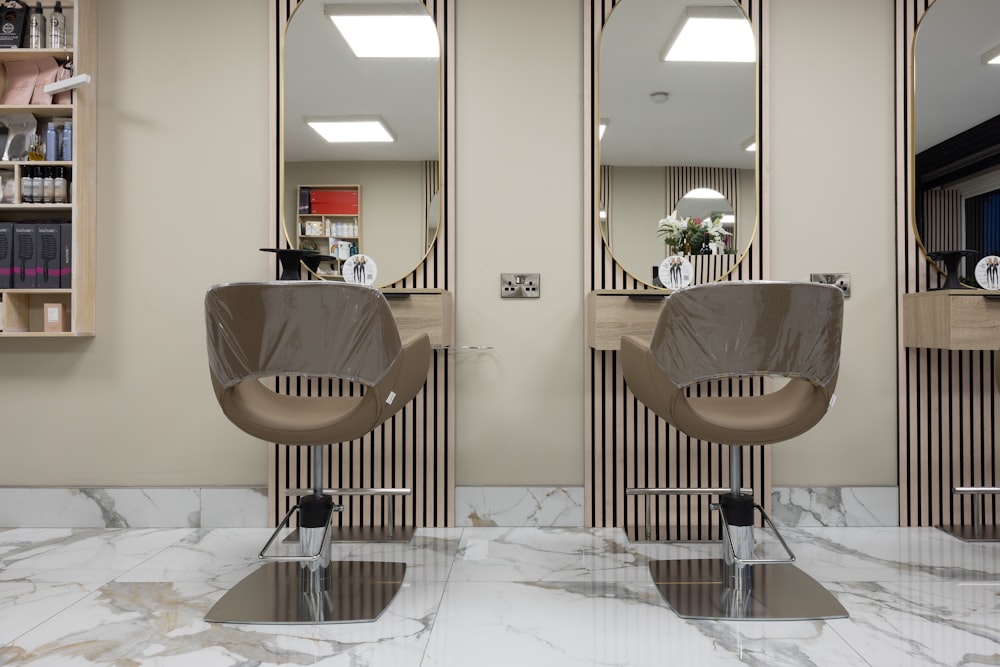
[
  {"x": 697, "y": 589},
  {"x": 294, "y": 593}
]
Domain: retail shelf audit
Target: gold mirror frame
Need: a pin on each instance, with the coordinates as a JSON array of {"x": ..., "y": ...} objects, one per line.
[
  {"x": 432, "y": 186},
  {"x": 749, "y": 186}
]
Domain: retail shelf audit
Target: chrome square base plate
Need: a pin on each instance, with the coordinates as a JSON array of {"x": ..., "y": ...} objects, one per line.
[
  {"x": 694, "y": 588},
  {"x": 292, "y": 593}
]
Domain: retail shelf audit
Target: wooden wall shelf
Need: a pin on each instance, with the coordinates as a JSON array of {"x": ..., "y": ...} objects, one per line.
[
  {"x": 425, "y": 310},
  {"x": 962, "y": 319},
  {"x": 612, "y": 314}
]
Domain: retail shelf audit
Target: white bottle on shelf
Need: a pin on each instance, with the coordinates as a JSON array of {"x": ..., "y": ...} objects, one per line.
[
  {"x": 37, "y": 27},
  {"x": 57, "y": 28}
]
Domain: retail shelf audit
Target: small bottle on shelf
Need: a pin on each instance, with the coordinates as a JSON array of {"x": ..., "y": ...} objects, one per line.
[
  {"x": 61, "y": 186},
  {"x": 57, "y": 28},
  {"x": 51, "y": 143},
  {"x": 27, "y": 186},
  {"x": 48, "y": 187},
  {"x": 36, "y": 28},
  {"x": 66, "y": 148},
  {"x": 37, "y": 185}
]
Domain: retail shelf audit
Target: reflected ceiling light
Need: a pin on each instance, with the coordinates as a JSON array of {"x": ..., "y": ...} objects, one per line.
[
  {"x": 386, "y": 30},
  {"x": 659, "y": 97},
  {"x": 600, "y": 128},
  {"x": 992, "y": 57},
  {"x": 351, "y": 130},
  {"x": 704, "y": 193},
  {"x": 750, "y": 145},
  {"x": 711, "y": 34}
]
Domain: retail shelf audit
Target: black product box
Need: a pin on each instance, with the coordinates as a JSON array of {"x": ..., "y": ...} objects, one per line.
[
  {"x": 13, "y": 19},
  {"x": 25, "y": 255},
  {"x": 305, "y": 204},
  {"x": 49, "y": 250},
  {"x": 6, "y": 254},
  {"x": 65, "y": 255}
]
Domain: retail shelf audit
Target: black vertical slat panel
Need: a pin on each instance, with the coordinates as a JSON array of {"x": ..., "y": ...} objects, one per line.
[
  {"x": 371, "y": 460},
  {"x": 617, "y": 426},
  {"x": 946, "y": 399}
]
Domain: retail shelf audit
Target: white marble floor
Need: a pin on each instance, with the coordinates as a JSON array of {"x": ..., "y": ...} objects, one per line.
[{"x": 490, "y": 597}]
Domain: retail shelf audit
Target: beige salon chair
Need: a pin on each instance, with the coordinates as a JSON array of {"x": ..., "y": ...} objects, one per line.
[
  {"x": 259, "y": 331},
  {"x": 740, "y": 330}
]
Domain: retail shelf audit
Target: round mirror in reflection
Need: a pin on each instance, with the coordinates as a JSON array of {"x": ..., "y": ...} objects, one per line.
[
  {"x": 670, "y": 127},
  {"x": 378, "y": 194},
  {"x": 956, "y": 100}
]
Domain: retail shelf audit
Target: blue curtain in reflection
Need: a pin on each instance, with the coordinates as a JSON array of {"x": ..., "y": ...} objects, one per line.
[{"x": 982, "y": 223}]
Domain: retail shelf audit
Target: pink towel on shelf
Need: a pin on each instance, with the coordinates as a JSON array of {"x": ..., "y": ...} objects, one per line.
[
  {"x": 21, "y": 77},
  {"x": 48, "y": 70}
]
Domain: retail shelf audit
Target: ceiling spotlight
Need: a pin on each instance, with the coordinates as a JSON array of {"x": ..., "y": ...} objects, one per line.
[
  {"x": 750, "y": 145},
  {"x": 659, "y": 97}
]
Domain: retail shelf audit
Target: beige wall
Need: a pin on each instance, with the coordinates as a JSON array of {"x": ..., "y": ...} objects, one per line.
[
  {"x": 519, "y": 407},
  {"x": 183, "y": 203},
  {"x": 832, "y": 210}
]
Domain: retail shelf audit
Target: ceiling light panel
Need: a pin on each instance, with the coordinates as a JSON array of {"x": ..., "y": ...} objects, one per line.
[
  {"x": 386, "y": 30},
  {"x": 351, "y": 130},
  {"x": 711, "y": 34}
]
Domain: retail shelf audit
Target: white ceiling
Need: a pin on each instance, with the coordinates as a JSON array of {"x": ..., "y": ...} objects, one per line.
[
  {"x": 323, "y": 78},
  {"x": 709, "y": 115}
]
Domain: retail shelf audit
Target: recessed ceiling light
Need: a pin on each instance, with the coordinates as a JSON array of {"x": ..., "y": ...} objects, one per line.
[
  {"x": 659, "y": 97},
  {"x": 386, "y": 30},
  {"x": 351, "y": 130},
  {"x": 750, "y": 145},
  {"x": 601, "y": 128},
  {"x": 992, "y": 57},
  {"x": 711, "y": 34}
]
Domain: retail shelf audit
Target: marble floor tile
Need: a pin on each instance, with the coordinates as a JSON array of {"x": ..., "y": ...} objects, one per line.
[{"x": 489, "y": 596}]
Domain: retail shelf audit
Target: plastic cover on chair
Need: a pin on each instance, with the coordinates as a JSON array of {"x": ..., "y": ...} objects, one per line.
[
  {"x": 282, "y": 325},
  {"x": 753, "y": 328}
]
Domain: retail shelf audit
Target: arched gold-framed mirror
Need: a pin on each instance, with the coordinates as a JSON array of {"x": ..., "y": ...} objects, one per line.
[
  {"x": 669, "y": 127},
  {"x": 378, "y": 198},
  {"x": 956, "y": 132}
]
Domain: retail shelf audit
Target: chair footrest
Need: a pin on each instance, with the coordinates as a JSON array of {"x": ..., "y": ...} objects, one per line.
[
  {"x": 976, "y": 489},
  {"x": 351, "y": 492},
  {"x": 303, "y": 558},
  {"x": 790, "y": 558}
]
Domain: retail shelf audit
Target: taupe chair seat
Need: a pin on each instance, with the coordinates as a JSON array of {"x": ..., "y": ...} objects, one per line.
[
  {"x": 333, "y": 331},
  {"x": 740, "y": 330}
]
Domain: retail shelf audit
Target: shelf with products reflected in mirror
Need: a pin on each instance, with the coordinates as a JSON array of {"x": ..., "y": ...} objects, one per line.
[{"x": 674, "y": 127}]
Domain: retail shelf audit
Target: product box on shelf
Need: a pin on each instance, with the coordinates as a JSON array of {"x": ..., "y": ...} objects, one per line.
[
  {"x": 65, "y": 255},
  {"x": 6, "y": 254},
  {"x": 25, "y": 257},
  {"x": 304, "y": 206},
  {"x": 54, "y": 316},
  {"x": 48, "y": 271},
  {"x": 334, "y": 202},
  {"x": 12, "y": 21}
]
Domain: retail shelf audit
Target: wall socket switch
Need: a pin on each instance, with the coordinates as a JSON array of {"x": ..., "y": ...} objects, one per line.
[
  {"x": 520, "y": 285},
  {"x": 841, "y": 280}
]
